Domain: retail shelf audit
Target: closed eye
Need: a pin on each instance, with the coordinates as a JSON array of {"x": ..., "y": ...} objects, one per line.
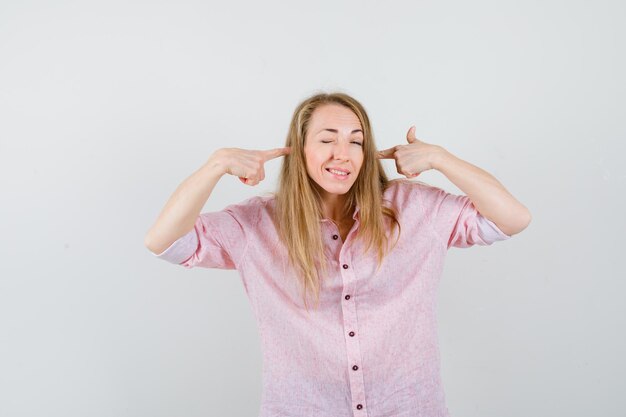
[{"x": 357, "y": 142}]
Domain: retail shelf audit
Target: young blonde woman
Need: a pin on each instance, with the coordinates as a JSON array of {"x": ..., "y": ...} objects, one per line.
[{"x": 369, "y": 251}]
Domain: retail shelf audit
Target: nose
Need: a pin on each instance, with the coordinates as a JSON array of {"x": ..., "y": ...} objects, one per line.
[{"x": 340, "y": 150}]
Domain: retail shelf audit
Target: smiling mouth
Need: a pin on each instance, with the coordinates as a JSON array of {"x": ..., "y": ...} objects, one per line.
[{"x": 336, "y": 172}]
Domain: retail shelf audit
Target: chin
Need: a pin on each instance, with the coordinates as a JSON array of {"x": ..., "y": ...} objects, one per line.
[{"x": 338, "y": 190}]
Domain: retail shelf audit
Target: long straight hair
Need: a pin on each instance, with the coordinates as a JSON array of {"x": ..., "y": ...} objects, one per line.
[{"x": 298, "y": 202}]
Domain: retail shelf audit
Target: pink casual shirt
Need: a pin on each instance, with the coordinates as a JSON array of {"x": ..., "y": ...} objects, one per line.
[{"x": 371, "y": 349}]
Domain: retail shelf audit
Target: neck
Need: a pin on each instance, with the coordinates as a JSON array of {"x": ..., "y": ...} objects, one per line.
[{"x": 333, "y": 207}]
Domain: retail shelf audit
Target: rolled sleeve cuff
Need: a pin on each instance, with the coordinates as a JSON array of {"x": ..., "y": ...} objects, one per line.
[
  {"x": 181, "y": 250},
  {"x": 489, "y": 232}
]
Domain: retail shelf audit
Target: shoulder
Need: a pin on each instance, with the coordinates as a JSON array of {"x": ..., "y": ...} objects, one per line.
[
  {"x": 416, "y": 196},
  {"x": 403, "y": 190},
  {"x": 250, "y": 210}
]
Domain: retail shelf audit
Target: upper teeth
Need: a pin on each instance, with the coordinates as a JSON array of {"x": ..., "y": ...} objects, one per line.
[{"x": 334, "y": 171}]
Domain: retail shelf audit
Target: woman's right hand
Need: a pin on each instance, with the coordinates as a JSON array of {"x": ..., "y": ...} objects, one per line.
[{"x": 246, "y": 164}]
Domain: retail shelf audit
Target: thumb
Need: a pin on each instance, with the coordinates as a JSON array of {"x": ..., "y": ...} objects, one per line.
[{"x": 410, "y": 135}]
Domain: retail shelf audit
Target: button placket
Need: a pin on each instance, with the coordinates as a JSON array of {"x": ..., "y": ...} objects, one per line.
[{"x": 353, "y": 350}]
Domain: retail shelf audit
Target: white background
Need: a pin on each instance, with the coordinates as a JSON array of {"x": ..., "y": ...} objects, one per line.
[{"x": 105, "y": 107}]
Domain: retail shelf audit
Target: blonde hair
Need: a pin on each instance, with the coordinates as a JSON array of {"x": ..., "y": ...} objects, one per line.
[{"x": 298, "y": 203}]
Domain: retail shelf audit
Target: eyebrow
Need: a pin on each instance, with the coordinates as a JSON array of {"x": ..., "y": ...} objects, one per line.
[{"x": 336, "y": 131}]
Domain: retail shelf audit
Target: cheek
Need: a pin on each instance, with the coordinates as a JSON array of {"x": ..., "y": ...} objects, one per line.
[
  {"x": 359, "y": 160},
  {"x": 313, "y": 159},
  {"x": 312, "y": 163}
]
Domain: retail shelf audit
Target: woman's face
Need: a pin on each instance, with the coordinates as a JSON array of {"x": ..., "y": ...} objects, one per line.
[{"x": 334, "y": 141}]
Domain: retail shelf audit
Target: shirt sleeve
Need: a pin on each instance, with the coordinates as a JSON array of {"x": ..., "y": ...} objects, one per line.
[
  {"x": 217, "y": 240},
  {"x": 457, "y": 221}
]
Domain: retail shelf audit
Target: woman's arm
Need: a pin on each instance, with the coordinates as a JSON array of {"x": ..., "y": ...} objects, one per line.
[
  {"x": 182, "y": 209},
  {"x": 489, "y": 196}
]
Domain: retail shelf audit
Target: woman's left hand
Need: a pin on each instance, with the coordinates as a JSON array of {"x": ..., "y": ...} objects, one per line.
[{"x": 414, "y": 158}]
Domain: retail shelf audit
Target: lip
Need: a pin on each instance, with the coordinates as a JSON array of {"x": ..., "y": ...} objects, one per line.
[
  {"x": 339, "y": 177},
  {"x": 338, "y": 169}
]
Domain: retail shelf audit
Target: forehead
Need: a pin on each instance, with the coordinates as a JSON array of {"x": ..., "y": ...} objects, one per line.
[{"x": 333, "y": 116}]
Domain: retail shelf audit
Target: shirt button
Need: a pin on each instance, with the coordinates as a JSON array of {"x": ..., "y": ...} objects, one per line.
[
  {"x": 359, "y": 406},
  {"x": 335, "y": 237},
  {"x": 351, "y": 334},
  {"x": 354, "y": 368},
  {"x": 345, "y": 266},
  {"x": 347, "y": 297}
]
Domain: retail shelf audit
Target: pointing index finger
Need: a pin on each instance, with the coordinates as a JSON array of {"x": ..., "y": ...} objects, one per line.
[
  {"x": 387, "y": 153},
  {"x": 276, "y": 152}
]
